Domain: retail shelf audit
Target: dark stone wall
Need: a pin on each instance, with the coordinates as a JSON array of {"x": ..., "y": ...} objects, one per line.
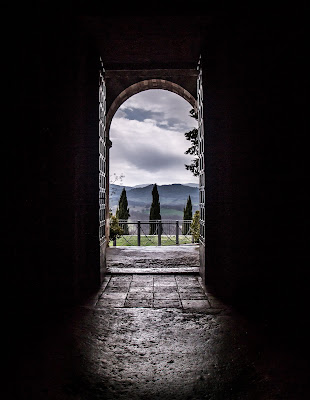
[
  {"x": 54, "y": 236},
  {"x": 256, "y": 165},
  {"x": 256, "y": 202}
]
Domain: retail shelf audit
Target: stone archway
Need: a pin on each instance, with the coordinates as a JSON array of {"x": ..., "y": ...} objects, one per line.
[
  {"x": 145, "y": 85},
  {"x": 194, "y": 98}
]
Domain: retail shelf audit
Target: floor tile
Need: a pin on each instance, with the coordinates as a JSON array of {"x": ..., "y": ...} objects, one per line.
[
  {"x": 140, "y": 296},
  {"x": 191, "y": 291},
  {"x": 166, "y": 295},
  {"x": 167, "y": 303},
  {"x": 192, "y": 296},
  {"x": 165, "y": 289},
  {"x": 118, "y": 295},
  {"x": 116, "y": 289},
  {"x": 142, "y": 277},
  {"x": 113, "y": 303},
  {"x": 165, "y": 283},
  {"x": 140, "y": 289},
  {"x": 195, "y": 304},
  {"x": 139, "y": 303},
  {"x": 141, "y": 283}
]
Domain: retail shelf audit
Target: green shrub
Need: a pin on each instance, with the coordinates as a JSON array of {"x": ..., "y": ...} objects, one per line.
[
  {"x": 195, "y": 227},
  {"x": 115, "y": 230}
]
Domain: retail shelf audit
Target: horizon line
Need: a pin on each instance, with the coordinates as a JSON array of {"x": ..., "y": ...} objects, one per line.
[{"x": 163, "y": 184}]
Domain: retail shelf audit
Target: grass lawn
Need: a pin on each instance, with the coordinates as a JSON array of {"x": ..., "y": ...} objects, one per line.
[{"x": 151, "y": 240}]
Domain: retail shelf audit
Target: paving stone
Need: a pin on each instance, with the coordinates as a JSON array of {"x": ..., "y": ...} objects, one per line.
[
  {"x": 141, "y": 296},
  {"x": 141, "y": 283},
  {"x": 195, "y": 304},
  {"x": 167, "y": 289},
  {"x": 110, "y": 303},
  {"x": 140, "y": 289},
  {"x": 126, "y": 282},
  {"x": 192, "y": 296},
  {"x": 143, "y": 278},
  {"x": 121, "y": 278},
  {"x": 167, "y": 303},
  {"x": 137, "y": 303},
  {"x": 116, "y": 289},
  {"x": 168, "y": 278},
  {"x": 181, "y": 279},
  {"x": 165, "y": 295},
  {"x": 165, "y": 283},
  {"x": 188, "y": 284},
  {"x": 113, "y": 295},
  {"x": 192, "y": 289}
]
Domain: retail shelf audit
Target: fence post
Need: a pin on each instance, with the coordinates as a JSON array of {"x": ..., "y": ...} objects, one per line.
[
  {"x": 139, "y": 233},
  {"x": 176, "y": 232},
  {"x": 159, "y": 233}
]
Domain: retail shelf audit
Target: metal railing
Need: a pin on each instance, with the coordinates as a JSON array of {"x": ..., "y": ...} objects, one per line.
[{"x": 154, "y": 233}]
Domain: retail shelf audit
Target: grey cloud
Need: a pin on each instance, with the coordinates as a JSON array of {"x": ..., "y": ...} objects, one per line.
[
  {"x": 140, "y": 115},
  {"x": 149, "y": 159},
  {"x": 154, "y": 161},
  {"x": 162, "y": 105},
  {"x": 136, "y": 150}
]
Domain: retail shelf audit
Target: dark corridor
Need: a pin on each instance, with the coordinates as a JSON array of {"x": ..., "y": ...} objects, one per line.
[{"x": 256, "y": 252}]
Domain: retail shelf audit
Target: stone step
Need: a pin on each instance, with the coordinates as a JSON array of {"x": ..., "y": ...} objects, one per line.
[{"x": 159, "y": 270}]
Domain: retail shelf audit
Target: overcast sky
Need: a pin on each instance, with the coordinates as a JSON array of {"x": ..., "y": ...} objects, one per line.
[{"x": 147, "y": 133}]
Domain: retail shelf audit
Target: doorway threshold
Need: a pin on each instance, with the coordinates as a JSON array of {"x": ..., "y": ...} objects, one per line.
[{"x": 153, "y": 260}]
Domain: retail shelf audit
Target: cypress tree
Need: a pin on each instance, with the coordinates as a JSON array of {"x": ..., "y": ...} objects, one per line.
[
  {"x": 187, "y": 215},
  {"x": 122, "y": 211},
  {"x": 155, "y": 209}
]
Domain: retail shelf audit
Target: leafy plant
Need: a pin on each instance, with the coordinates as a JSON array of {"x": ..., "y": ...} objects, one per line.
[
  {"x": 192, "y": 136},
  {"x": 195, "y": 227},
  {"x": 116, "y": 231}
]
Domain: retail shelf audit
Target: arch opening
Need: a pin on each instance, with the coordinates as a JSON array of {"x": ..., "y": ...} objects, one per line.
[
  {"x": 146, "y": 85},
  {"x": 149, "y": 144}
]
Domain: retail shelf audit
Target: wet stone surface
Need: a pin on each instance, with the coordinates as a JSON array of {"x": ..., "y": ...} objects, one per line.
[{"x": 153, "y": 259}]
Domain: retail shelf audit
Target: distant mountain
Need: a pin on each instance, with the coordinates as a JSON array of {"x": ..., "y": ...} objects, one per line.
[
  {"x": 172, "y": 199},
  {"x": 139, "y": 186}
]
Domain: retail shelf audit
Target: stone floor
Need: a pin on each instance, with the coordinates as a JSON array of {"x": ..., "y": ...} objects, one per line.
[
  {"x": 153, "y": 259},
  {"x": 183, "y": 292},
  {"x": 151, "y": 337}
]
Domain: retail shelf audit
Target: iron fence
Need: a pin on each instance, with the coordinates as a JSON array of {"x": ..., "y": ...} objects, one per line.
[{"x": 154, "y": 233}]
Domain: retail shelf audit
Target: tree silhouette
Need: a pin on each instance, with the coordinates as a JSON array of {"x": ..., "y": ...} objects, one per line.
[
  {"x": 155, "y": 210},
  {"x": 122, "y": 211},
  {"x": 192, "y": 136},
  {"x": 187, "y": 215}
]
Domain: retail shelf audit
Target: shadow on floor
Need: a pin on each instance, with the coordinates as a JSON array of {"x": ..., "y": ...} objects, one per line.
[{"x": 154, "y": 336}]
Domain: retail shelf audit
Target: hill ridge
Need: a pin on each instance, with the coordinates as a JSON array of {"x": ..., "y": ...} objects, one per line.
[{"x": 172, "y": 197}]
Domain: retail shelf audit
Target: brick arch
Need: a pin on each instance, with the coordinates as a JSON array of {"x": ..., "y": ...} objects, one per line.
[{"x": 145, "y": 85}]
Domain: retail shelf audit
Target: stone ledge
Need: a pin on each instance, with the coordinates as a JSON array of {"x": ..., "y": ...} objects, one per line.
[{"x": 159, "y": 270}]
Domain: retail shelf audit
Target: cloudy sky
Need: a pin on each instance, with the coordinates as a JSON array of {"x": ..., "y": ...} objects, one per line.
[{"x": 147, "y": 133}]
